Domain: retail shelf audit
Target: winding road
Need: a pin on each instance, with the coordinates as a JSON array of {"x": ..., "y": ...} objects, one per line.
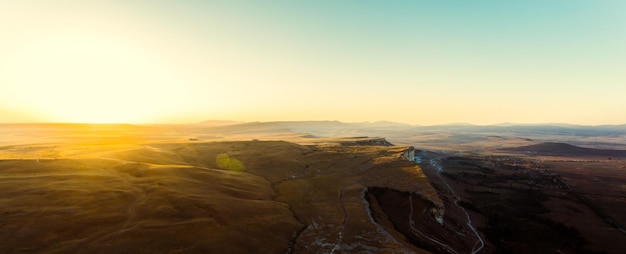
[
  {"x": 435, "y": 163},
  {"x": 419, "y": 233}
]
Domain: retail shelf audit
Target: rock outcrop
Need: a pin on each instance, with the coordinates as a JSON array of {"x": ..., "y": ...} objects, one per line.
[{"x": 409, "y": 154}]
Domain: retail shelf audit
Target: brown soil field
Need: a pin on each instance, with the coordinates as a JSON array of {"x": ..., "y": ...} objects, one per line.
[
  {"x": 601, "y": 185},
  {"x": 531, "y": 205}
]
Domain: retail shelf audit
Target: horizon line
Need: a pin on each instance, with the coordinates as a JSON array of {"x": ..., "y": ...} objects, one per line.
[{"x": 235, "y": 122}]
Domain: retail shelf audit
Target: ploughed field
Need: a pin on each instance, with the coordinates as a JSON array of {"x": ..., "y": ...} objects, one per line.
[{"x": 208, "y": 197}]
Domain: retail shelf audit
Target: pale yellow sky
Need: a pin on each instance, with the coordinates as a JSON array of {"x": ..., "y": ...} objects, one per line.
[{"x": 422, "y": 62}]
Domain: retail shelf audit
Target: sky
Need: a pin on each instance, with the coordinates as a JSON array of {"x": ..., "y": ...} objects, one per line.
[{"x": 419, "y": 62}]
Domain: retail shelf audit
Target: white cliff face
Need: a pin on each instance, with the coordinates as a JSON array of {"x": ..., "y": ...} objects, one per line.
[
  {"x": 409, "y": 154},
  {"x": 438, "y": 210}
]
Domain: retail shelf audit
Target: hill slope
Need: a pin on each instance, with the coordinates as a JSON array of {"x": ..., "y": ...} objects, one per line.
[
  {"x": 563, "y": 149},
  {"x": 193, "y": 197}
]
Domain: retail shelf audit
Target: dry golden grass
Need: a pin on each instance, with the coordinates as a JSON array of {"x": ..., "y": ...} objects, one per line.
[{"x": 175, "y": 196}]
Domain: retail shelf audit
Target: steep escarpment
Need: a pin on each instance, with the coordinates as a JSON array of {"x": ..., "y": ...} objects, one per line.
[
  {"x": 401, "y": 212},
  {"x": 328, "y": 195},
  {"x": 413, "y": 218}
]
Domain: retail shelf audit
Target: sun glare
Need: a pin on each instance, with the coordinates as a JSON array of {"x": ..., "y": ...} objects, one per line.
[{"x": 94, "y": 80}]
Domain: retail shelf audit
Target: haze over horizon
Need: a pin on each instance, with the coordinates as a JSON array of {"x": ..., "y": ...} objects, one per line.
[{"x": 416, "y": 62}]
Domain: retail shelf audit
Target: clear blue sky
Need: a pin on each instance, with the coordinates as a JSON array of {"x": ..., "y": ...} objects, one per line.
[{"x": 423, "y": 62}]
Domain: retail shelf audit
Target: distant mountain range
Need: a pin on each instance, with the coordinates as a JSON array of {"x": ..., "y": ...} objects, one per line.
[
  {"x": 602, "y": 136},
  {"x": 336, "y": 128}
]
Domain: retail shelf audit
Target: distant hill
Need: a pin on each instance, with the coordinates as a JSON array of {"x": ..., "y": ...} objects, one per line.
[
  {"x": 563, "y": 149},
  {"x": 249, "y": 128},
  {"x": 528, "y": 129},
  {"x": 604, "y": 137},
  {"x": 331, "y": 127},
  {"x": 364, "y": 141},
  {"x": 218, "y": 123}
]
